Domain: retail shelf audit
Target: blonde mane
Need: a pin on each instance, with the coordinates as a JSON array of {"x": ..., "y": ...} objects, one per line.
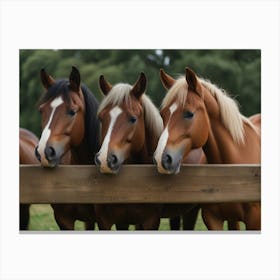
[
  {"x": 230, "y": 114},
  {"x": 116, "y": 96},
  {"x": 178, "y": 90},
  {"x": 121, "y": 92}
]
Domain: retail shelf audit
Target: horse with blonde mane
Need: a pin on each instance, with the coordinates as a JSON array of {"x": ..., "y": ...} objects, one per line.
[
  {"x": 196, "y": 114},
  {"x": 131, "y": 126}
]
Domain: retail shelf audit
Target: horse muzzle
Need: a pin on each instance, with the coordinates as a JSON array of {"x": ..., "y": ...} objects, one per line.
[
  {"x": 112, "y": 164},
  {"x": 50, "y": 157},
  {"x": 169, "y": 162}
]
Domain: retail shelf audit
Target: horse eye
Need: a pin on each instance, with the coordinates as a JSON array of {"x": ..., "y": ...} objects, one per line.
[
  {"x": 188, "y": 115},
  {"x": 132, "y": 119},
  {"x": 71, "y": 113}
]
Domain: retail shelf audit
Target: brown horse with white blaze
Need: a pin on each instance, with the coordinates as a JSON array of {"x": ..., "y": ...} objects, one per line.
[
  {"x": 70, "y": 135},
  {"x": 131, "y": 126},
  {"x": 197, "y": 113}
]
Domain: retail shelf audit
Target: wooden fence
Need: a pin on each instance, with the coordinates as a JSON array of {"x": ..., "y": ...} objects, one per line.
[{"x": 140, "y": 184}]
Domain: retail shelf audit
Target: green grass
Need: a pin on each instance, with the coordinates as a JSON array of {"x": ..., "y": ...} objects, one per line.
[{"x": 42, "y": 218}]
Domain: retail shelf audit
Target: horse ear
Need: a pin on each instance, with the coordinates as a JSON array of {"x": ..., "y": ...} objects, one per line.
[
  {"x": 46, "y": 79},
  {"x": 193, "y": 82},
  {"x": 140, "y": 86},
  {"x": 104, "y": 85},
  {"x": 166, "y": 79},
  {"x": 75, "y": 79}
]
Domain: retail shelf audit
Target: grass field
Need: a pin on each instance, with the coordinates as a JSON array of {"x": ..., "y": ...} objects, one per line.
[{"x": 41, "y": 218}]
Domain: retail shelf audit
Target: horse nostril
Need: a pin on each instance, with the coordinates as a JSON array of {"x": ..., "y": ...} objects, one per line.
[
  {"x": 113, "y": 161},
  {"x": 97, "y": 160},
  {"x": 50, "y": 153},
  {"x": 166, "y": 161},
  {"x": 38, "y": 156}
]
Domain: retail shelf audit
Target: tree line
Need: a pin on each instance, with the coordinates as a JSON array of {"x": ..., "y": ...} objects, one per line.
[{"x": 236, "y": 71}]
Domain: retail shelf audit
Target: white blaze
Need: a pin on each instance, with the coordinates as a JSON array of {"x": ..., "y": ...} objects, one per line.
[
  {"x": 46, "y": 131},
  {"x": 163, "y": 139},
  {"x": 103, "y": 153}
]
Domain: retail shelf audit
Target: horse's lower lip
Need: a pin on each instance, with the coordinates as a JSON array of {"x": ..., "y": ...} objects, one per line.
[
  {"x": 116, "y": 169},
  {"x": 172, "y": 171},
  {"x": 51, "y": 164},
  {"x": 177, "y": 170},
  {"x": 109, "y": 171}
]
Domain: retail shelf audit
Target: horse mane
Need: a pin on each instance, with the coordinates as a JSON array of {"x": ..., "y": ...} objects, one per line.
[
  {"x": 121, "y": 93},
  {"x": 92, "y": 126},
  {"x": 231, "y": 117},
  {"x": 92, "y": 130},
  {"x": 152, "y": 116},
  {"x": 118, "y": 94},
  {"x": 178, "y": 90},
  {"x": 58, "y": 88}
]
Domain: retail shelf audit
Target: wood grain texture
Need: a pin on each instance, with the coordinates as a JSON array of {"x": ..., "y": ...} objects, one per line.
[{"x": 140, "y": 184}]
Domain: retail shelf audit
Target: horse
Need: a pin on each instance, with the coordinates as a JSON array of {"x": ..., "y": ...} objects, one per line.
[
  {"x": 70, "y": 135},
  {"x": 186, "y": 211},
  {"x": 131, "y": 126},
  {"x": 189, "y": 211},
  {"x": 27, "y": 143},
  {"x": 196, "y": 114}
]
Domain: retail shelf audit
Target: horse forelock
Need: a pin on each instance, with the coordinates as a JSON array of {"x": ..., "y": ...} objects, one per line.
[
  {"x": 177, "y": 93},
  {"x": 61, "y": 87},
  {"x": 117, "y": 95},
  {"x": 121, "y": 93}
]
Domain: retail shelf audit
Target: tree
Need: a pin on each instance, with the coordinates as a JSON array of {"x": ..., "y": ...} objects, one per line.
[{"x": 237, "y": 71}]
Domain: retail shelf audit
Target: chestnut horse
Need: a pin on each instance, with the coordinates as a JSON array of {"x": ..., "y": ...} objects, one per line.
[
  {"x": 197, "y": 113},
  {"x": 27, "y": 143},
  {"x": 70, "y": 135},
  {"x": 131, "y": 126}
]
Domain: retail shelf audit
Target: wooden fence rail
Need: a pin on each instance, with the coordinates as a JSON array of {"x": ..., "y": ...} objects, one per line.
[{"x": 140, "y": 184}]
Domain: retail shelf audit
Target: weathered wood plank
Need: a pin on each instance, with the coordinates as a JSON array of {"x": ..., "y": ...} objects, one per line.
[{"x": 140, "y": 184}]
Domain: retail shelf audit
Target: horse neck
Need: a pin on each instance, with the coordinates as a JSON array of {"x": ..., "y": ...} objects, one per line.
[
  {"x": 139, "y": 152},
  {"x": 219, "y": 146},
  {"x": 80, "y": 154},
  {"x": 85, "y": 152},
  {"x": 151, "y": 142},
  {"x": 144, "y": 152}
]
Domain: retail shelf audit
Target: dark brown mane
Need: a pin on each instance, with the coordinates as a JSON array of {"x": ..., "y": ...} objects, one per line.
[{"x": 61, "y": 87}]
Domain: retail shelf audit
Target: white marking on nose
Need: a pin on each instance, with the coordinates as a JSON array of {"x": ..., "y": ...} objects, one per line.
[
  {"x": 163, "y": 140},
  {"x": 46, "y": 131},
  {"x": 103, "y": 153}
]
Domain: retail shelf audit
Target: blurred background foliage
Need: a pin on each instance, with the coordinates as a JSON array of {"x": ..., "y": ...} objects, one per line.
[{"x": 236, "y": 71}]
